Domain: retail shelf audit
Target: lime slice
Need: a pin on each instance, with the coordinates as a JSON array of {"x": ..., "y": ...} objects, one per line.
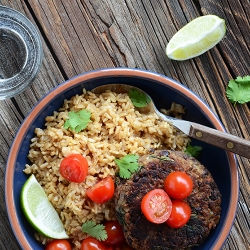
[
  {"x": 196, "y": 37},
  {"x": 39, "y": 211}
]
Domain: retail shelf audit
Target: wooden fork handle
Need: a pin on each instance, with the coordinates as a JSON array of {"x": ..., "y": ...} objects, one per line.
[{"x": 220, "y": 139}]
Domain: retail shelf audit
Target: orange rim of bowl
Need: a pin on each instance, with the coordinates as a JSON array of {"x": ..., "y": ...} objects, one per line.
[{"x": 115, "y": 72}]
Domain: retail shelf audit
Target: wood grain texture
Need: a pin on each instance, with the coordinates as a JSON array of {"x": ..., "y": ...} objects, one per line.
[
  {"x": 12, "y": 113},
  {"x": 82, "y": 35}
]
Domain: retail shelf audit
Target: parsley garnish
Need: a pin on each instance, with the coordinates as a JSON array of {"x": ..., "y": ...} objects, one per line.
[
  {"x": 78, "y": 121},
  {"x": 127, "y": 165},
  {"x": 193, "y": 150},
  {"x": 238, "y": 90},
  {"x": 95, "y": 230},
  {"x": 138, "y": 98}
]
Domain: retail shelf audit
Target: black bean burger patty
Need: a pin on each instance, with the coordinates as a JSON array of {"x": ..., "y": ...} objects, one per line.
[{"x": 205, "y": 203}]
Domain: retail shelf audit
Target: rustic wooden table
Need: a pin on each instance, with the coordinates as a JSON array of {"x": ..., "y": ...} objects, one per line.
[{"x": 81, "y": 35}]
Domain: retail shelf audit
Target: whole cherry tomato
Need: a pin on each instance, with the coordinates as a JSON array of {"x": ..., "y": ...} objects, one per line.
[
  {"x": 58, "y": 245},
  {"x": 156, "y": 206},
  {"x": 74, "y": 168},
  {"x": 180, "y": 214},
  {"x": 91, "y": 243},
  {"x": 178, "y": 185},
  {"x": 114, "y": 232},
  {"x": 102, "y": 191}
]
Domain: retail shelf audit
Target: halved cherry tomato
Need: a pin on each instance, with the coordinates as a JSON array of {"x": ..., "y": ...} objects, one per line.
[
  {"x": 74, "y": 168},
  {"x": 58, "y": 245},
  {"x": 156, "y": 206},
  {"x": 102, "y": 191},
  {"x": 91, "y": 243},
  {"x": 114, "y": 232},
  {"x": 180, "y": 214},
  {"x": 178, "y": 185}
]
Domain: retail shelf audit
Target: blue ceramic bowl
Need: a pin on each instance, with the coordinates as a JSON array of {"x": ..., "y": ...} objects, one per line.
[{"x": 164, "y": 91}]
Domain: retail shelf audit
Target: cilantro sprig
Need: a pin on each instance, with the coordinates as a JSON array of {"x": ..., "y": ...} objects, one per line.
[
  {"x": 193, "y": 150},
  {"x": 127, "y": 165},
  {"x": 95, "y": 230},
  {"x": 238, "y": 90},
  {"x": 78, "y": 120},
  {"x": 138, "y": 98}
]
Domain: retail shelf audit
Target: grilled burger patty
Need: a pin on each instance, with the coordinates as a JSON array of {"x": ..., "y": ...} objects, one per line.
[{"x": 205, "y": 203}]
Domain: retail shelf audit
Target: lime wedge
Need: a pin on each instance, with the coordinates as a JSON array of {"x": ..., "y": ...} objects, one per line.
[
  {"x": 39, "y": 211},
  {"x": 196, "y": 37}
]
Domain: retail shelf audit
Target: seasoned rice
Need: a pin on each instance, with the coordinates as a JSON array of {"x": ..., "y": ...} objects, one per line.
[{"x": 116, "y": 129}]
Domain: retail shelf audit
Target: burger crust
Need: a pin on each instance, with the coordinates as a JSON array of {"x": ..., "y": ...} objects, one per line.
[{"x": 205, "y": 203}]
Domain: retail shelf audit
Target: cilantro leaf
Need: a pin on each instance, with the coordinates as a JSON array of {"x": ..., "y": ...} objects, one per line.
[
  {"x": 238, "y": 90},
  {"x": 128, "y": 165},
  {"x": 78, "y": 121},
  {"x": 138, "y": 98},
  {"x": 95, "y": 230},
  {"x": 193, "y": 150}
]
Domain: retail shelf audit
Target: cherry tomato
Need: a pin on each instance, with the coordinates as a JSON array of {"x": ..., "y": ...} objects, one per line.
[
  {"x": 102, "y": 191},
  {"x": 91, "y": 243},
  {"x": 58, "y": 245},
  {"x": 114, "y": 232},
  {"x": 180, "y": 214},
  {"x": 178, "y": 185},
  {"x": 74, "y": 168},
  {"x": 156, "y": 206}
]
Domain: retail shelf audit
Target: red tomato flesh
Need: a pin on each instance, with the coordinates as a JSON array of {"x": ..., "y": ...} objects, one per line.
[
  {"x": 156, "y": 206},
  {"x": 114, "y": 232},
  {"x": 74, "y": 168},
  {"x": 180, "y": 214},
  {"x": 102, "y": 191},
  {"x": 178, "y": 185},
  {"x": 58, "y": 245},
  {"x": 91, "y": 243}
]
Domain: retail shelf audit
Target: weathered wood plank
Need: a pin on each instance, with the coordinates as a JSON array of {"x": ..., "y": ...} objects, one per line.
[
  {"x": 71, "y": 36},
  {"x": 12, "y": 113}
]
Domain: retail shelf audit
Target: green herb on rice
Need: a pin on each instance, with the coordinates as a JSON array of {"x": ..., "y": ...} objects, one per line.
[
  {"x": 138, "y": 98},
  {"x": 95, "y": 230},
  {"x": 78, "y": 120},
  {"x": 127, "y": 165}
]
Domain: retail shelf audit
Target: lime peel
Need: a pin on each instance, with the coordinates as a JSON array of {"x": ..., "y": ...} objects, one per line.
[
  {"x": 196, "y": 37},
  {"x": 39, "y": 211}
]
